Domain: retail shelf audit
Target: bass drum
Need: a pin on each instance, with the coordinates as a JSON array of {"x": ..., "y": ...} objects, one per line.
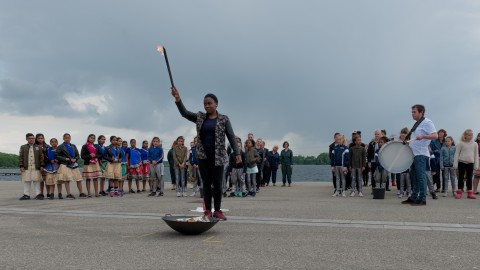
[{"x": 395, "y": 157}]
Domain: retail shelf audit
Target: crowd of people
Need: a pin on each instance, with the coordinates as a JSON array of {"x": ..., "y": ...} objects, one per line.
[
  {"x": 246, "y": 167},
  {"x": 241, "y": 169},
  {"x": 107, "y": 167},
  {"x": 451, "y": 164}
]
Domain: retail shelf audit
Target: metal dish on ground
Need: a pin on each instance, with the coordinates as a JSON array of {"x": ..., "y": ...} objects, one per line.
[{"x": 181, "y": 225}]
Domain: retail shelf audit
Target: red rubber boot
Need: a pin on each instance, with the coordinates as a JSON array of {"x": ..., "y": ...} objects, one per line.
[
  {"x": 470, "y": 195},
  {"x": 459, "y": 194}
]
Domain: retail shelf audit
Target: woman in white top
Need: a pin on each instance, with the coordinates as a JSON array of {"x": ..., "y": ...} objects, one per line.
[{"x": 466, "y": 160}]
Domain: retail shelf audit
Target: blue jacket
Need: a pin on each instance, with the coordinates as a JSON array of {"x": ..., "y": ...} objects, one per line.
[
  {"x": 155, "y": 153},
  {"x": 436, "y": 147},
  {"x": 144, "y": 156},
  {"x": 377, "y": 161},
  {"x": 124, "y": 155},
  {"x": 447, "y": 156},
  {"x": 192, "y": 158},
  {"x": 340, "y": 156},
  {"x": 273, "y": 159},
  {"x": 432, "y": 165}
]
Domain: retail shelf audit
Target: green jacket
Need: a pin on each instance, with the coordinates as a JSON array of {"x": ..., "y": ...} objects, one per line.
[
  {"x": 23, "y": 157},
  {"x": 252, "y": 157},
  {"x": 286, "y": 157},
  {"x": 179, "y": 155}
]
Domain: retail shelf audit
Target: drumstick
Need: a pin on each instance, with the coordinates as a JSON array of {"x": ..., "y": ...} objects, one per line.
[{"x": 412, "y": 140}]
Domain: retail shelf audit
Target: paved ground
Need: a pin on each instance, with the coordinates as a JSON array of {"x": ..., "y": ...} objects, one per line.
[{"x": 301, "y": 227}]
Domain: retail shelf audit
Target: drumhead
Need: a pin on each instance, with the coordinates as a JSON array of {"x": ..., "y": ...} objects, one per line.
[{"x": 396, "y": 157}]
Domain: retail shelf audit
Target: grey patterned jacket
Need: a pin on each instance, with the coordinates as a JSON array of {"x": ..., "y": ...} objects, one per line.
[{"x": 223, "y": 128}]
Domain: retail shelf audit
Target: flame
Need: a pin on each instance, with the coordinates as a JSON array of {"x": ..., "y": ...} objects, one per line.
[{"x": 161, "y": 50}]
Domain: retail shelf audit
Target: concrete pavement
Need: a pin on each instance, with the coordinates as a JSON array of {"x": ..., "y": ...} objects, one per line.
[{"x": 301, "y": 227}]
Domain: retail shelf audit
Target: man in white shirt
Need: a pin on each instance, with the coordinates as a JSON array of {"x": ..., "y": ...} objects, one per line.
[{"x": 422, "y": 132}]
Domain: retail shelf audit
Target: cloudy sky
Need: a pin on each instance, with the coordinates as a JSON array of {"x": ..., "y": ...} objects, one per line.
[{"x": 284, "y": 70}]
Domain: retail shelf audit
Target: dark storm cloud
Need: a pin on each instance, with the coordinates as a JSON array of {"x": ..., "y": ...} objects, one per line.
[{"x": 308, "y": 67}]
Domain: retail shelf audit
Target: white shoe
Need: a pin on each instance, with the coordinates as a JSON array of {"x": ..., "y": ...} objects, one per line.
[
  {"x": 192, "y": 195},
  {"x": 184, "y": 194},
  {"x": 335, "y": 194},
  {"x": 445, "y": 194},
  {"x": 400, "y": 195},
  {"x": 178, "y": 194},
  {"x": 360, "y": 194},
  {"x": 343, "y": 194},
  {"x": 352, "y": 194}
]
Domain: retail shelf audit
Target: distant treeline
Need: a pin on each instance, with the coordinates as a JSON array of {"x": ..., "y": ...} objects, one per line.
[
  {"x": 322, "y": 159},
  {"x": 8, "y": 160}
]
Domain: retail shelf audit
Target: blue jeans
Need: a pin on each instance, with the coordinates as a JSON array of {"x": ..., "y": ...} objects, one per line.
[{"x": 419, "y": 178}]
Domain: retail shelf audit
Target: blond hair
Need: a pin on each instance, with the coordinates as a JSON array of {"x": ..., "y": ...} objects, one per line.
[
  {"x": 344, "y": 140},
  {"x": 463, "y": 138}
]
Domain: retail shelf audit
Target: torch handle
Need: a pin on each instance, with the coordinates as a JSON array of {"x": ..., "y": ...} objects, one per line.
[{"x": 168, "y": 66}]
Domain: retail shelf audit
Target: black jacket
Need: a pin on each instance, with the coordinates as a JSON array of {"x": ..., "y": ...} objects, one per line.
[
  {"x": 371, "y": 152},
  {"x": 170, "y": 157},
  {"x": 232, "y": 163},
  {"x": 85, "y": 154},
  {"x": 62, "y": 154},
  {"x": 108, "y": 155}
]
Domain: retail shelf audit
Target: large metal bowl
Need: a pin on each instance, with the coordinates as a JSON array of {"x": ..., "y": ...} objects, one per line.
[{"x": 189, "y": 228}]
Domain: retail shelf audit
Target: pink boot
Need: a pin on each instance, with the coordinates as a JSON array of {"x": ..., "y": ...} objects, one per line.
[
  {"x": 470, "y": 195},
  {"x": 459, "y": 194}
]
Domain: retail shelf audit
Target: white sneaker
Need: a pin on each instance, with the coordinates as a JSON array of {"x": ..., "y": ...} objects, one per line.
[
  {"x": 400, "y": 195},
  {"x": 192, "y": 195},
  {"x": 343, "y": 194},
  {"x": 352, "y": 194},
  {"x": 445, "y": 194},
  {"x": 335, "y": 194},
  {"x": 178, "y": 194},
  {"x": 360, "y": 194},
  {"x": 184, "y": 194}
]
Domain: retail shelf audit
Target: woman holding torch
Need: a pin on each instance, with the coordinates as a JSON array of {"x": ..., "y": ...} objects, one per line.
[{"x": 212, "y": 128}]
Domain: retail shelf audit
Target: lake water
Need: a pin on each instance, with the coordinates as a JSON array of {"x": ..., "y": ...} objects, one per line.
[{"x": 301, "y": 173}]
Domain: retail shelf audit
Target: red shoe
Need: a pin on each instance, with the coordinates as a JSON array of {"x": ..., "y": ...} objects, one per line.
[
  {"x": 470, "y": 195},
  {"x": 208, "y": 213},
  {"x": 394, "y": 184},
  {"x": 219, "y": 214},
  {"x": 459, "y": 194}
]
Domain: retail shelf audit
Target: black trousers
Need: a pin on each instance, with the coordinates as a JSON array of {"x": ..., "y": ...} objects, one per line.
[
  {"x": 372, "y": 179},
  {"x": 172, "y": 173},
  {"x": 365, "y": 177},
  {"x": 436, "y": 179},
  {"x": 348, "y": 179},
  {"x": 462, "y": 168},
  {"x": 273, "y": 172},
  {"x": 334, "y": 180},
  {"x": 266, "y": 175},
  {"x": 259, "y": 177},
  {"x": 212, "y": 177}
]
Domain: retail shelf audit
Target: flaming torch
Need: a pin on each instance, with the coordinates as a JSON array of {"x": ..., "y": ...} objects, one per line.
[{"x": 163, "y": 51}]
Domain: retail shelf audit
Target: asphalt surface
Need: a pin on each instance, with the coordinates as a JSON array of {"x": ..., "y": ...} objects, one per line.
[{"x": 301, "y": 227}]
